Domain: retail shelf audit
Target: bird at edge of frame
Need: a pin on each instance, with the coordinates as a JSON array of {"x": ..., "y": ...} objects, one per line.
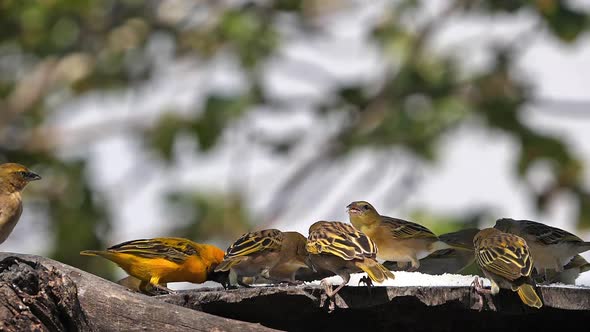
[
  {"x": 13, "y": 179},
  {"x": 506, "y": 261},
  {"x": 552, "y": 248},
  {"x": 158, "y": 261}
]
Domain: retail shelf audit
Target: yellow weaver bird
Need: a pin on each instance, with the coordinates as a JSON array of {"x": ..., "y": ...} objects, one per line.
[
  {"x": 13, "y": 179},
  {"x": 269, "y": 253},
  {"x": 552, "y": 248},
  {"x": 398, "y": 240},
  {"x": 505, "y": 259},
  {"x": 341, "y": 249},
  {"x": 161, "y": 260}
]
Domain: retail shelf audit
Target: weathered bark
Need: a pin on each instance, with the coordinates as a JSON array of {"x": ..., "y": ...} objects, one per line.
[
  {"x": 43, "y": 295},
  {"x": 305, "y": 308},
  {"x": 39, "y": 294}
]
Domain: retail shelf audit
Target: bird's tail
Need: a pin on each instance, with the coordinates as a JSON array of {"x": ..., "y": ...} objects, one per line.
[
  {"x": 228, "y": 263},
  {"x": 529, "y": 296},
  {"x": 376, "y": 271},
  {"x": 440, "y": 245},
  {"x": 582, "y": 247},
  {"x": 93, "y": 253}
]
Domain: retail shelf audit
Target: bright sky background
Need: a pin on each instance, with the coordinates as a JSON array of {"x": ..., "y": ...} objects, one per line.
[{"x": 475, "y": 170}]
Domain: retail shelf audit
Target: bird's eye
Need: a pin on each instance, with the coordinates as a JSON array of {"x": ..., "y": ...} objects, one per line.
[
  {"x": 23, "y": 173},
  {"x": 366, "y": 207}
]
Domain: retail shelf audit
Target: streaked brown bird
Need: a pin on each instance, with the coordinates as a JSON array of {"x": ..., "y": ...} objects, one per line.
[
  {"x": 505, "y": 259},
  {"x": 342, "y": 249},
  {"x": 552, "y": 248},
  {"x": 13, "y": 179},
  {"x": 398, "y": 240},
  {"x": 158, "y": 261},
  {"x": 269, "y": 253}
]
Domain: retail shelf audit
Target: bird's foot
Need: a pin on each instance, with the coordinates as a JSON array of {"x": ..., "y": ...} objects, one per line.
[
  {"x": 368, "y": 282},
  {"x": 480, "y": 292},
  {"x": 327, "y": 286},
  {"x": 163, "y": 289}
]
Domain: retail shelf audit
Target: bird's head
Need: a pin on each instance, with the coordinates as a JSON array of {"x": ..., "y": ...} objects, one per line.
[
  {"x": 362, "y": 212},
  {"x": 14, "y": 177},
  {"x": 484, "y": 234},
  {"x": 221, "y": 277}
]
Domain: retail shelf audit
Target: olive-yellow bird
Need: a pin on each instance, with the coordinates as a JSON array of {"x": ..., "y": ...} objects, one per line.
[
  {"x": 269, "y": 253},
  {"x": 13, "y": 179},
  {"x": 342, "y": 249},
  {"x": 552, "y": 248},
  {"x": 505, "y": 259},
  {"x": 398, "y": 240},
  {"x": 167, "y": 259}
]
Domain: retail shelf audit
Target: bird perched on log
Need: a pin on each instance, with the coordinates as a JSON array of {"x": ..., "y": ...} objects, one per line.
[
  {"x": 552, "y": 248},
  {"x": 167, "y": 259},
  {"x": 505, "y": 259},
  {"x": 13, "y": 179},
  {"x": 269, "y": 253},
  {"x": 342, "y": 249},
  {"x": 398, "y": 240}
]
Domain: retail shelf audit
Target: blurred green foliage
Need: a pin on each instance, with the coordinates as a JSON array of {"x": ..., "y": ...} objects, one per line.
[{"x": 66, "y": 48}]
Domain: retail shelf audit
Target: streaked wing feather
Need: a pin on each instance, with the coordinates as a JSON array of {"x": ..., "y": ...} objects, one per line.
[
  {"x": 253, "y": 242},
  {"x": 505, "y": 255},
  {"x": 403, "y": 229},
  {"x": 547, "y": 234},
  {"x": 175, "y": 250},
  {"x": 341, "y": 240}
]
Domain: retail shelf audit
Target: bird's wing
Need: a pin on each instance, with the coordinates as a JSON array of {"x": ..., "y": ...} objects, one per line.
[
  {"x": 506, "y": 255},
  {"x": 173, "y": 249},
  {"x": 460, "y": 239},
  {"x": 546, "y": 234},
  {"x": 253, "y": 242},
  {"x": 403, "y": 229},
  {"x": 341, "y": 240}
]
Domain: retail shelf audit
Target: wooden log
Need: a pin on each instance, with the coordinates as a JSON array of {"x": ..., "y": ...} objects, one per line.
[
  {"x": 39, "y": 294},
  {"x": 415, "y": 308}
]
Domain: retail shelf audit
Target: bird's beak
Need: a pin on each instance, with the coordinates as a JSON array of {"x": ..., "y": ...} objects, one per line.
[
  {"x": 352, "y": 209},
  {"x": 30, "y": 176}
]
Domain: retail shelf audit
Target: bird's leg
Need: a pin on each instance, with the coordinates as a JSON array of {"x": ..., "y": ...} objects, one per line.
[
  {"x": 367, "y": 281},
  {"x": 402, "y": 265},
  {"x": 241, "y": 282},
  {"x": 479, "y": 290},
  {"x": 265, "y": 273},
  {"x": 163, "y": 288},
  {"x": 479, "y": 287},
  {"x": 414, "y": 265},
  {"x": 327, "y": 286}
]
